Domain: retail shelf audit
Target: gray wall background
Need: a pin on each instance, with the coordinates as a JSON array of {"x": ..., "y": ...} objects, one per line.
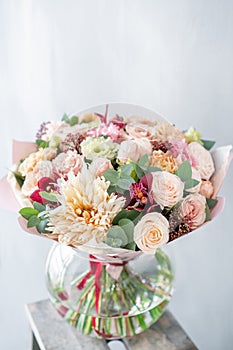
[{"x": 175, "y": 57}]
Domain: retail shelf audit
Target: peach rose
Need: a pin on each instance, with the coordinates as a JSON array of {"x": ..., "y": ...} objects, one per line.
[
  {"x": 164, "y": 161},
  {"x": 66, "y": 162},
  {"x": 100, "y": 165},
  {"x": 133, "y": 150},
  {"x": 31, "y": 161},
  {"x": 151, "y": 232},
  {"x": 165, "y": 131},
  {"x": 167, "y": 188},
  {"x": 192, "y": 210},
  {"x": 207, "y": 188},
  {"x": 202, "y": 159},
  {"x": 42, "y": 169}
]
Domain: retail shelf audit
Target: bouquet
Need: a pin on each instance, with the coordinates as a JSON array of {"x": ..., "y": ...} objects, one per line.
[{"x": 115, "y": 186}]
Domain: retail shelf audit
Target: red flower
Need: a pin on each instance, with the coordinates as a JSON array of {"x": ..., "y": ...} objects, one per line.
[{"x": 45, "y": 184}]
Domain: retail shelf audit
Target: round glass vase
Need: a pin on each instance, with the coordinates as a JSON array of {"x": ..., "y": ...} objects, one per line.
[{"x": 107, "y": 297}]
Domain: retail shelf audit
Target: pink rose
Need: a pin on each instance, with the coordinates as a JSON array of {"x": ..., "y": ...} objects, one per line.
[
  {"x": 192, "y": 210},
  {"x": 151, "y": 232},
  {"x": 167, "y": 188},
  {"x": 207, "y": 188},
  {"x": 202, "y": 159},
  {"x": 66, "y": 162},
  {"x": 100, "y": 165},
  {"x": 134, "y": 149}
]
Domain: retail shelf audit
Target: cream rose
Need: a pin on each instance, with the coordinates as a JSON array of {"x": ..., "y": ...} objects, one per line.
[
  {"x": 31, "y": 161},
  {"x": 202, "y": 159},
  {"x": 192, "y": 210},
  {"x": 100, "y": 165},
  {"x": 207, "y": 188},
  {"x": 167, "y": 188},
  {"x": 151, "y": 232},
  {"x": 42, "y": 169},
  {"x": 165, "y": 131},
  {"x": 134, "y": 149}
]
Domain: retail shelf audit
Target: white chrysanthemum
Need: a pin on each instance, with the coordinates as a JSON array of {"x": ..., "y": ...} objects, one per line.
[
  {"x": 86, "y": 210},
  {"x": 100, "y": 146}
]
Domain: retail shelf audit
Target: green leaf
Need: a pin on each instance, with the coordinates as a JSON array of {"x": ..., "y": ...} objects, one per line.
[
  {"x": 140, "y": 173},
  {"x": 132, "y": 215},
  {"x": 130, "y": 246},
  {"x": 65, "y": 118},
  {"x": 126, "y": 169},
  {"x": 208, "y": 144},
  {"x": 151, "y": 169},
  {"x": 112, "y": 176},
  {"x": 41, "y": 226},
  {"x": 117, "y": 232},
  {"x": 38, "y": 206},
  {"x": 114, "y": 242},
  {"x": 128, "y": 226},
  {"x": 27, "y": 212},
  {"x": 73, "y": 120},
  {"x": 19, "y": 178},
  {"x": 184, "y": 171},
  {"x": 211, "y": 202},
  {"x": 144, "y": 161},
  {"x": 207, "y": 211},
  {"x": 42, "y": 143},
  {"x": 50, "y": 196},
  {"x": 124, "y": 183},
  {"x": 190, "y": 183},
  {"x": 33, "y": 221}
]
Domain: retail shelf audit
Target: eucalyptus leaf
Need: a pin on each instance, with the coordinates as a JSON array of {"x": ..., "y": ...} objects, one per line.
[
  {"x": 114, "y": 242},
  {"x": 207, "y": 211},
  {"x": 126, "y": 169},
  {"x": 208, "y": 144},
  {"x": 42, "y": 143},
  {"x": 49, "y": 196},
  {"x": 27, "y": 212},
  {"x": 144, "y": 161},
  {"x": 38, "y": 206},
  {"x": 73, "y": 120},
  {"x": 124, "y": 183},
  {"x": 184, "y": 171},
  {"x": 211, "y": 202},
  {"x": 132, "y": 215},
  {"x": 140, "y": 173},
  {"x": 117, "y": 232},
  {"x": 33, "y": 221},
  {"x": 130, "y": 246},
  {"x": 112, "y": 176},
  {"x": 190, "y": 183},
  {"x": 41, "y": 226},
  {"x": 128, "y": 226}
]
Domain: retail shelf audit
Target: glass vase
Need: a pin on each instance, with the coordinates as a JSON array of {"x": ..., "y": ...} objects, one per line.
[{"x": 107, "y": 297}]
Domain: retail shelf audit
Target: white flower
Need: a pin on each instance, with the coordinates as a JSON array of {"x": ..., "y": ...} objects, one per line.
[
  {"x": 167, "y": 188},
  {"x": 203, "y": 160},
  {"x": 134, "y": 149},
  {"x": 151, "y": 232},
  {"x": 86, "y": 210},
  {"x": 101, "y": 147}
]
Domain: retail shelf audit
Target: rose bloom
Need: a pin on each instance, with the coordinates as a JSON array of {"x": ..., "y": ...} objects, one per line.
[
  {"x": 165, "y": 131},
  {"x": 203, "y": 160},
  {"x": 66, "y": 162},
  {"x": 164, "y": 161},
  {"x": 42, "y": 169},
  {"x": 151, "y": 232},
  {"x": 31, "y": 161},
  {"x": 133, "y": 150},
  {"x": 206, "y": 188},
  {"x": 100, "y": 165},
  {"x": 140, "y": 130},
  {"x": 167, "y": 189},
  {"x": 192, "y": 210}
]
